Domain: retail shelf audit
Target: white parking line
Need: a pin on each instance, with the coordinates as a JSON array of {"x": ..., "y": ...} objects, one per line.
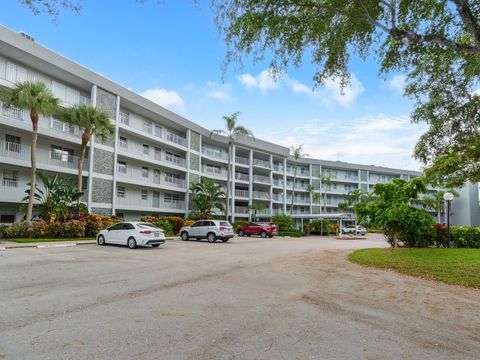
[{"x": 55, "y": 246}]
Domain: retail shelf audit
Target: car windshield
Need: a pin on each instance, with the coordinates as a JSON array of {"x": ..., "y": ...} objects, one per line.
[
  {"x": 224, "y": 223},
  {"x": 147, "y": 226}
]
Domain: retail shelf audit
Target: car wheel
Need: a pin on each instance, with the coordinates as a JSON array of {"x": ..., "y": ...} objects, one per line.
[
  {"x": 132, "y": 243},
  {"x": 225, "y": 240},
  {"x": 101, "y": 240},
  {"x": 270, "y": 236},
  {"x": 155, "y": 245},
  {"x": 241, "y": 233},
  {"x": 211, "y": 237},
  {"x": 184, "y": 236},
  {"x": 263, "y": 234}
]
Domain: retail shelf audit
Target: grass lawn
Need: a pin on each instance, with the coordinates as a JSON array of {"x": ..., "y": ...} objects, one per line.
[
  {"x": 452, "y": 266},
  {"x": 32, "y": 240}
]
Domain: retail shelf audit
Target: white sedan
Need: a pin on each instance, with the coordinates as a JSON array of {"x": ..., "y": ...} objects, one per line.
[{"x": 132, "y": 234}]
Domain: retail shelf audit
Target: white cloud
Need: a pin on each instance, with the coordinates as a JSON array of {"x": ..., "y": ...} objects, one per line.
[
  {"x": 266, "y": 80},
  {"x": 218, "y": 91},
  {"x": 375, "y": 139},
  {"x": 346, "y": 95},
  {"x": 298, "y": 87},
  {"x": 398, "y": 83},
  {"x": 167, "y": 98}
]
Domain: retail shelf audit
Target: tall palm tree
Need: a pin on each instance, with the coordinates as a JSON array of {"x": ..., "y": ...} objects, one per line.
[
  {"x": 93, "y": 121},
  {"x": 296, "y": 153},
  {"x": 231, "y": 132},
  {"x": 326, "y": 180},
  {"x": 39, "y": 100}
]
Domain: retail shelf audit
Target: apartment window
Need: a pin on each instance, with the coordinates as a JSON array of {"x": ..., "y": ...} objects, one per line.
[
  {"x": 12, "y": 143},
  {"x": 124, "y": 118},
  {"x": 122, "y": 167},
  {"x": 121, "y": 191},
  {"x": 214, "y": 169},
  {"x": 145, "y": 172},
  {"x": 347, "y": 187},
  {"x": 10, "y": 178},
  {"x": 61, "y": 154},
  {"x": 123, "y": 142},
  {"x": 172, "y": 178},
  {"x": 147, "y": 126},
  {"x": 13, "y": 113},
  {"x": 144, "y": 194},
  {"x": 120, "y": 215},
  {"x": 158, "y": 131},
  {"x": 146, "y": 149},
  {"x": 174, "y": 158}
]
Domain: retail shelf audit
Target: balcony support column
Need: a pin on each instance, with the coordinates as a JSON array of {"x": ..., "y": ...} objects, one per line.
[
  {"x": 115, "y": 156},
  {"x": 232, "y": 179},
  {"x": 250, "y": 184},
  {"x": 285, "y": 186},
  {"x": 187, "y": 176}
]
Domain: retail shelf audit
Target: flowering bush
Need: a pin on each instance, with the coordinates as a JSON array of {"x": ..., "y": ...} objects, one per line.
[
  {"x": 72, "y": 229},
  {"x": 175, "y": 223},
  {"x": 189, "y": 222}
]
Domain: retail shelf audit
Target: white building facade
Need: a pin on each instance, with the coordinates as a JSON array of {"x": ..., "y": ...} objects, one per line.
[{"x": 145, "y": 168}]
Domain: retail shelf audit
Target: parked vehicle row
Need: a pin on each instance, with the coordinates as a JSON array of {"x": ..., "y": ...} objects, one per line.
[{"x": 354, "y": 229}]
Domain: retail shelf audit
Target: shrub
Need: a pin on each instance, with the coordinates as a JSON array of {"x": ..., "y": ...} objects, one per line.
[
  {"x": 239, "y": 223},
  {"x": 72, "y": 229},
  {"x": 3, "y": 228},
  {"x": 189, "y": 222},
  {"x": 95, "y": 223},
  {"x": 317, "y": 228},
  {"x": 284, "y": 222},
  {"x": 465, "y": 236},
  {"x": 149, "y": 219},
  {"x": 176, "y": 222},
  {"x": 165, "y": 225},
  {"x": 18, "y": 230}
]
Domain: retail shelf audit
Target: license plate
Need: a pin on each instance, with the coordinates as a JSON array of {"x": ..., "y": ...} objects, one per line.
[{"x": 156, "y": 234}]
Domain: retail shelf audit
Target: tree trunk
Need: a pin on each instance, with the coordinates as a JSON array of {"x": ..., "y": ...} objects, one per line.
[
  {"x": 81, "y": 159},
  {"x": 33, "y": 160},
  {"x": 228, "y": 179}
]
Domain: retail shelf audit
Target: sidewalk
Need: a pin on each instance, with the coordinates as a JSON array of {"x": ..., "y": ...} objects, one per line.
[{"x": 8, "y": 244}]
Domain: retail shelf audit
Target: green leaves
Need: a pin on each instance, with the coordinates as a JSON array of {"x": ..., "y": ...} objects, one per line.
[
  {"x": 206, "y": 196},
  {"x": 90, "y": 118}
]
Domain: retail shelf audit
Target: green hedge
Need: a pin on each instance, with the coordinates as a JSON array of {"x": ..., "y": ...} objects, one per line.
[
  {"x": 466, "y": 236},
  {"x": 291, "y": 233}
]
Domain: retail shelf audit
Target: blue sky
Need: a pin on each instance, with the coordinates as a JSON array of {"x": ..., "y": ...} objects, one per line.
[{"x": 171, "y": 53}]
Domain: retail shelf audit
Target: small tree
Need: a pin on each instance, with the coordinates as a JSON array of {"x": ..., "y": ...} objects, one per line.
[
  {"x": 284, "y": 222},
  {"x": 206, "y": 196},
  {"x": 326, "y": 180},
  {"x": 94, "y": 122},
  {"x": 296, "y": 153},
  {"x": 436, "y": 202},
  {"x": 256, "y": 207},
  {"x": 39, "y": 100},
  {"x": 391, "y": 209}
]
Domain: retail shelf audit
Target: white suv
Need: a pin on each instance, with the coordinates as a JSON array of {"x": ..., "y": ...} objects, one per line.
[
  {"x": 208, "y": 229},
  {"x": 352, "y": 229}
]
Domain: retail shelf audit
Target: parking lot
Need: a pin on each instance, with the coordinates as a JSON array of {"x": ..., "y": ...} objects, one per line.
[{"x": 250, "y": 298}]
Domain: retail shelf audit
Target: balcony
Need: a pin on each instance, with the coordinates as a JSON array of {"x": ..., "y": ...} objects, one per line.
[
  {"x": 240, "y": 193},
  {"x": 241, "y": 177},
  {"x": 214, "y": 153},
  {"x": 137, "y": 151},
  {"x": 278, "y": 168},
  {"x": 241, "y": 210},
  {"x": 242, "y": 160},
  {"x": 262, "y": 163},
  {"x": 261, "y": 179},
  {"x": 262, "y": 195},
  {"x": 147, "y": 127},
  {"x": 17, "y": 154},
  {"x": 153, "y": 204},
  {"x": 150, "y": 179},
  {"x": 214, "y": 172}
]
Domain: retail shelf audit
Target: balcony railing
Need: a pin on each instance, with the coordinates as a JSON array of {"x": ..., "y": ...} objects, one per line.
[
  {"x": 151, "y": 177},
  {"x": 12, "y": 151},
  {"x": 261, "y": 179},
  {"x": 213, "y": 171},
  {"x": 241, "y": 176},
  {"x": 242, "y": 160},
  {"x": 153, "y": 129},
  {"x": 152, "y": 202},
  {"x": 241, "y": 193},
  {"x": 278, "y": 167},
  {"x": 261, "y": 195},
  {"x": 241, "y": 210},
  {"x": 139, "y": 151},
  {"x": 262, "y": 163},
  {"x": 214, "y": 153}
]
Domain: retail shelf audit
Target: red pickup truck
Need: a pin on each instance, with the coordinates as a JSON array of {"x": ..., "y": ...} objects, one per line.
[{"x": 264, "y": 229}]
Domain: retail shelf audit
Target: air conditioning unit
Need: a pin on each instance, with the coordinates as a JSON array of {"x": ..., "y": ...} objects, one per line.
[{"x": 26, "y": 36}]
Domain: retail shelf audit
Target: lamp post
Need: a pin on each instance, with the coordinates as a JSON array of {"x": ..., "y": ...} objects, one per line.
[{"x": 448, "y": 197}]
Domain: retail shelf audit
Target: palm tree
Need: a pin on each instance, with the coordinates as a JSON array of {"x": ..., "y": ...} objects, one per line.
[
  {"x": 93, "y": 121},
  {"x": 39, "y": 100},
  {"x": 296, "y": 153},
  {"x": 327, "y": 181},
  {"x": 435, "y": 202},
  {"x": 256, "y": 207},
  {"x": 206, "y": 195},
  {"x": 231, "y": 132}
]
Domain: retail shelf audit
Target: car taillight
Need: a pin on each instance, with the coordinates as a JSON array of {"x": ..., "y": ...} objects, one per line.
[
  {"x": 222, "y": 228},
  {"x": 145, "y": 232}
]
